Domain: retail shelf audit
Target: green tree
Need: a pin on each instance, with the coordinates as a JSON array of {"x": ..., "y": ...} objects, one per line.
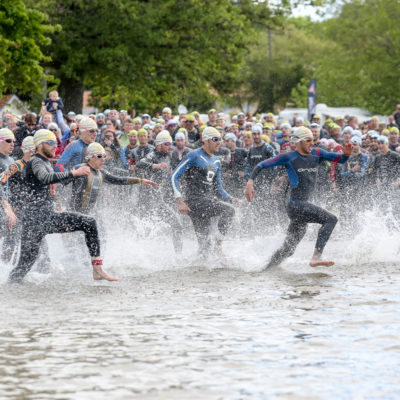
[
  {"x": 23, "y": 32},
  {"x": 151, "y": 52},
  {"x": 360, "y": 68},
  {"x": 271, "y": 81}
]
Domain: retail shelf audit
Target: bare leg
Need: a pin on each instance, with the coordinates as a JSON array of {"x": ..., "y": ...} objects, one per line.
[
  {"x": 98, "y": 271},
  {"x": 218, "y": 248}
]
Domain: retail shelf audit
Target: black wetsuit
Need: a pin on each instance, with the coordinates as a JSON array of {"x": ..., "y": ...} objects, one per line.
[
  {"x": 160, "y": 200},
  {"x": 141, "y": 152},
  {"x": 387, "y": 170},
  {"x": 387, "y": 167},
  {"x": 40, "y": 219},
  {"x": 5, "y": 162},
  {"x": 302, "y": 172},
  {"x": 16, "y": 191},
  {"x": 233, "y": 181},
  {"x": 178, "y": 155},
  {"x": 255, "y": 155},
  {"x": 193, "y": 136},
  {"x": 3, "y": 224},
  {"x": 204, "y": 193},
  {"x": 262, "y": 212}
]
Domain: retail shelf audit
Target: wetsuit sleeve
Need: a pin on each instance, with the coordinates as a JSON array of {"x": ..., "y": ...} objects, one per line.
[
  {"x": 281, "y": 159},
  {"x": 119, "y": 180},
  {"x": 14, "y": 168},
  {"x": 46, "y": 177},
  {"x": 122, "y": 155},
  {"x": 178, "y": 172},
  {"x": 2, "y": 194},
  {"x": 247, "y": 166},
  {"x": 65, "y": 158},
  {"x": 333, "y": 157},
  {"x": 146, "y": 162},
  {"x": 221, "y": 191},
  {"x": 348, "y": 172},
  {"x": 65, "y": 137},
  {"x": 363, "y": 171},
  {"x": 60, "y": 121}
]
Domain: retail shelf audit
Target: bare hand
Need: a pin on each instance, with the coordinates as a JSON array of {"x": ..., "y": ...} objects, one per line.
[
  {"x": 395, "y": 184},
  {"x": 275, "y": 189},
  {"x": 236, "y": 202},
  {"x": 11, "y": 218},
  {"x": 356, "y": 168},
  {"x": 147, "y": 182},
  {"x": 241, "y": 174},
  {"x": 348, "y": 149},
  {"x": 81, "y": 171},
  {"x": 183, "y": 208},
  {"x": 162, "y": 165},
  {"x": 249, "y": 191}
]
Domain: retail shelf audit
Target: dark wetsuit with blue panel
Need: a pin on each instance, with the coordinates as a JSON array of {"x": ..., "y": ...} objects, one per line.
[
  {"x": 302, "y": 172},
  {"x": 205, "y": 194}
]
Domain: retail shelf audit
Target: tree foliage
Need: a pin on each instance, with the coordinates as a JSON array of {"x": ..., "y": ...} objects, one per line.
[
  {"x": 360, "y": 68},
  {"x": 152, "y": 52},
  {"x": 364, "y": 70},
  {"x": 23, "y": 33},
  {"x": 270, "y": 81}
]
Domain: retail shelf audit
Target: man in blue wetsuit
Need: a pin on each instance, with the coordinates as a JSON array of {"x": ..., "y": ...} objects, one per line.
[
  {"x": 205, "y": 196},
  {"x": 302, "y": 166}
]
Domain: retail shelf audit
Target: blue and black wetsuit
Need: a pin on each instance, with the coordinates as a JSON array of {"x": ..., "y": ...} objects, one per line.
[
  {"x": 205, "y": 194},
  {"x": 302, "y": 173}
]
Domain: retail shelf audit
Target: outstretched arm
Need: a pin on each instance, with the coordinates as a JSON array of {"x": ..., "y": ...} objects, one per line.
[
  {"x": 125, "y": 180},
  {"x": 336, "y": 157}
]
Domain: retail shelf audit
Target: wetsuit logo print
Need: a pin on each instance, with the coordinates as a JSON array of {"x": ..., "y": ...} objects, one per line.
[
  {"x": 210, "y": 176},
  {"x": 307, "y": 170}
]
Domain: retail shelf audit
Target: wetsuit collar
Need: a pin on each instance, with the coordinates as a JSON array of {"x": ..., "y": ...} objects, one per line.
[
  {"x": 40, "y": 156},
  {"x": 208, "y": 155},
  {"x": 301, "y": 155}
]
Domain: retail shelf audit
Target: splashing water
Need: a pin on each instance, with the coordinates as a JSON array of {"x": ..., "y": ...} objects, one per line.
[{"x": 177, "y": 327}]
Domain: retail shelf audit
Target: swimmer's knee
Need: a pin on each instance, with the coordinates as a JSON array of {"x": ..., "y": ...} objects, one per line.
[
  {"x": 89, "y": 223},
  {"x": 333, "y": 219}
]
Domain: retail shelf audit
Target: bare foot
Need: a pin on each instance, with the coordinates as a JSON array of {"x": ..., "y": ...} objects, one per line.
[
  {"x": 321, "y": 263},
  {"x": 99, "y": 274}
]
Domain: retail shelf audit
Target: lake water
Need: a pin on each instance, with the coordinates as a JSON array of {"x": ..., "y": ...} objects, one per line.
[{"x": 172, "y": 328}]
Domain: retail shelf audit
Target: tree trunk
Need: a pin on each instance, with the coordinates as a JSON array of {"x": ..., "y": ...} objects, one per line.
[{"x": 71, "y": 92}]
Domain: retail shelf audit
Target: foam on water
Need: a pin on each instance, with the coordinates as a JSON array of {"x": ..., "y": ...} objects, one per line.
[
  {"x": 178, "y": 327},
  {"x": 144, "y": 247}
]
